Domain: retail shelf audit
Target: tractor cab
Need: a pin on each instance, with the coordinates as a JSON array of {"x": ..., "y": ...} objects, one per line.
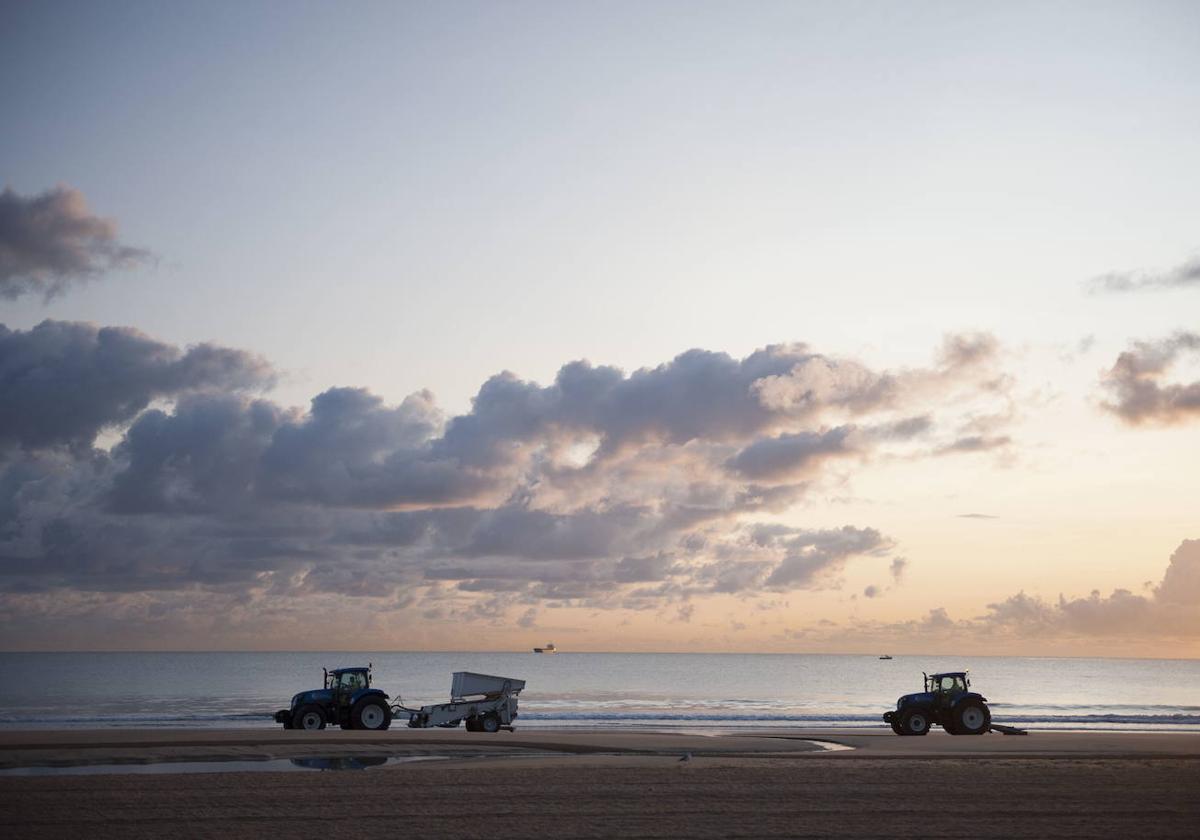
[
  {"x": 954, "y": 682},
  {"x": 348, "y": 680}
]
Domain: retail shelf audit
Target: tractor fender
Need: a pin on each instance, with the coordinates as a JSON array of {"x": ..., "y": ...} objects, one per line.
[
  {"x": 366, "y": 692},
  {"x": 970, "y": 695}
]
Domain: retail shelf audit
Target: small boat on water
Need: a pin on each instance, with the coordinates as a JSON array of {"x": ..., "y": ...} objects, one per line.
[
  {"x": 885, "y": 656},
  {"x": 550, "y": 648}
]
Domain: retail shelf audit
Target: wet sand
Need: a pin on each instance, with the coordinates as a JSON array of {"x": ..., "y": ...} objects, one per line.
[{"x": 604, "y": 784}]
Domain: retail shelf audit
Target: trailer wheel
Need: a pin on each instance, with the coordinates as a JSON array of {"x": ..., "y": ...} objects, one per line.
[
  {"x": 490, "y": 723},
  {"x": 473, "y": 724},
  {"x": 370, "y": 713},
  {"x": 308, "y": 717}
]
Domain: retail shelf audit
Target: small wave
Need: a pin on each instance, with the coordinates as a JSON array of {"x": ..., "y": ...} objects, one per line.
[
  {"x": 874, "y": 718},
  {"x": 134, "y": 719},
  {"x": 1179, "y": 720},
  {"x": 686, "y": 717},
  {"x": 1104, "y": 708}
]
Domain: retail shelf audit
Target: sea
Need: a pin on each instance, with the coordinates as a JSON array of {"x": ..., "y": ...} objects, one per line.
[{"x": 704, "y": 692}]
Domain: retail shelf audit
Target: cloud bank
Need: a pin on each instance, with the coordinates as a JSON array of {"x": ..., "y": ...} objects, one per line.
[
  {"x": 1171, "y": 608},
  {"x": 1168, "y": 611},
  {"x": 63, "y": 383},
  {"x": 602, "y": 489},
  {"x": 50, "y": 241}
]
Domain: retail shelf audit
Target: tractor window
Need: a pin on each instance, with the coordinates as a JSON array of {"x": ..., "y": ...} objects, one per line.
[
  {"x": 352, "y": 681},
  {"x": 952, "y": 684}
]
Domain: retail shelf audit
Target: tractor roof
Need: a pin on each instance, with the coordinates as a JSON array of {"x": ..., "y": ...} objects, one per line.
[
  {"x": 346, "y": 670},
  {"x": 949, "y": 674}
]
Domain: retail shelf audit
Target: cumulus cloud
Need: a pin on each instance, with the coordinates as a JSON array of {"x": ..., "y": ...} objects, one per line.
[
  {"x": 601, "y": 489},
  {"x": 64, "y": 382},
  {"x": 1136, "y": 387},
  {"x": 51, "y": 240},
  {"x": 1183, "y": 276},
  {"x": 1170, "y": 609},
  {"x": 1166, "y": 612}
]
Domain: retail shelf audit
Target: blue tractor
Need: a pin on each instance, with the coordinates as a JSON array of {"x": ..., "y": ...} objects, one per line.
[
  {"x": 346, "y": 700},
  {"x": 946, "y": 701}
]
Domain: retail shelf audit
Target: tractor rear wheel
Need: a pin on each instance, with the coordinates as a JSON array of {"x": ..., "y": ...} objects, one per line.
[
  {"x": 972, "y": 719},
  {"x": 914, "y": 722},
  {"x": 490, "y": 723},
  {"x": 370, "y": 713},
  {"x": 308, "y": 717}
]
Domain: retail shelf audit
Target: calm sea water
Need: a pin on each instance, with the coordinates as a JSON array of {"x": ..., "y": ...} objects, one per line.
[{"x": 710, "y": 691}]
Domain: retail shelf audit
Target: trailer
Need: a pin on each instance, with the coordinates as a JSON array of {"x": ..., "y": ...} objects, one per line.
[{"x": 482, "y": 702}]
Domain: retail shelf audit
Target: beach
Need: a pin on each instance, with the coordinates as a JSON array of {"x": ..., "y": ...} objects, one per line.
[{"x": 601, "y": 783}]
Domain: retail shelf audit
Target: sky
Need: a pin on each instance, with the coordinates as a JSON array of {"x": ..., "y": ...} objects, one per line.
[{"x": 816, "y": 327}]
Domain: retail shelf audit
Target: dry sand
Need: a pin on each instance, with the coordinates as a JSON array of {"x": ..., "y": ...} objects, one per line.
[{"x": 613, "y": 784}]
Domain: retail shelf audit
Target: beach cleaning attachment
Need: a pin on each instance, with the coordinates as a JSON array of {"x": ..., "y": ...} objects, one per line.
[{"x": 484, "y": 703}]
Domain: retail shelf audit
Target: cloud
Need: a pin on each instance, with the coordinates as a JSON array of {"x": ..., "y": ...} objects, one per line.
[
  {"x": 528, "y": 619},
  {"x": 601, "y": 489},
  {"x": 50, "y": 241},
  {"x": 1167, "y": 613},
  {"x": 898, "y": 568},
  {"x": 1183, "y": 276},
  {"x": 808, "y": 554},
  {"x": 351, "y": 449},
  {"x": 1135, "y": 382},
  {"x": 1170, "y": 609},
  {"x": 976, "y": 516},
  {"x": 790, "y": 455},
  {"x": 974, "y": 443},
  {"x": 64, "y": 382}
]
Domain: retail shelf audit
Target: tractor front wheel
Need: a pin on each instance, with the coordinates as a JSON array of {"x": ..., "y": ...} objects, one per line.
[
  {"x": 309, "y": 717},
  {"x": 972, "y": 719},
  {"x": 370, "y": 713},
  {"x": 914, "y": 722}
]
